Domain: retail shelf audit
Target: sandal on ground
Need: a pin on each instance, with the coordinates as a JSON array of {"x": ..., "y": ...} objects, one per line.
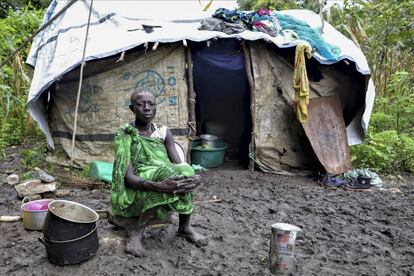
[
  {"x": 330, "y": 180},
  {"x": 358, "y": 186}
]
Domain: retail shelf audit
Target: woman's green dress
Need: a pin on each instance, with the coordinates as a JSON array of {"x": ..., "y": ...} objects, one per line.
[{"x": 150, "y": 160}]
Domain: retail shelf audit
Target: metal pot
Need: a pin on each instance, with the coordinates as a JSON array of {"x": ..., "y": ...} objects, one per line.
[
  {"x": 72, "y": 251},
  {"x": 208, "y": 140},
  {"x": 69, "y": 232},
  {"x": 68, "y": 220},
  {"x": 34, "y": 213}
]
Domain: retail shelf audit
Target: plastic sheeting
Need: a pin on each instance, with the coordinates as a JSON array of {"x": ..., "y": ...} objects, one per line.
[
  {"x": 279, "y": 138},
  {"x": 116, "y": 26},
  {"x": 105, "y": 99}
]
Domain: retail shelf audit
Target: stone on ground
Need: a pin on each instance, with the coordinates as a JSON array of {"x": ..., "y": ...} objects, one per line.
[
  {"x": 12, "y": 179},
  {"x": 34, "y": 186}
]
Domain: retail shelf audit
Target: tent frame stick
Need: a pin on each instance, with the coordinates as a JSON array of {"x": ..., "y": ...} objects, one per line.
[
  {"x": 191, "y": 103},
  {"x": 248, "y": 65},
  {"x": 80, "y": 83}
]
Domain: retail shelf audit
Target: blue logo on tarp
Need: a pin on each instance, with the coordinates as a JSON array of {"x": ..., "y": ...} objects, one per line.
[
  {"x": 172, "y": 81},
  {"x": 172, "y": 100},
  {"x": 150, "y": 80}
]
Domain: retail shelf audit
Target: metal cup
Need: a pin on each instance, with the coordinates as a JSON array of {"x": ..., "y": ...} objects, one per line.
[{"x": 282, "y": 247}]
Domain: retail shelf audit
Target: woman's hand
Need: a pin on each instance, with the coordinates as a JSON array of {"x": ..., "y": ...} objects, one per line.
[
  {"x": 188, "y": 184},
  {"x": 174, "y": 185}
]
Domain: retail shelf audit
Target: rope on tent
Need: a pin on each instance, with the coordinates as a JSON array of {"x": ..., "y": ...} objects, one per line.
[
  {"x": 322, "y": 4},
  {"x": 38, "y": 31},
  {"x": 121, "y": 58},
  {"x": 80, "y": 84}
]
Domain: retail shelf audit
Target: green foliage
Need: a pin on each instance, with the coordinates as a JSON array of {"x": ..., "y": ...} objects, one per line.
[
  {"x": 15, "y": 76},
  {"x": 386, "y": 152},
  {"x": 389, "y": 146},
  {"x": 383, "y": 29},
  {"x": 396, "y": 109},
  {"x": 34, "y": 157},
  {"x": 16, "y": 5},
  {"x": 278, "y": 4}
]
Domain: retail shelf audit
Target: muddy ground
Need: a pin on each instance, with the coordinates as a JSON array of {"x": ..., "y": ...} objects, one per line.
[{"x": 344, "y": 232}]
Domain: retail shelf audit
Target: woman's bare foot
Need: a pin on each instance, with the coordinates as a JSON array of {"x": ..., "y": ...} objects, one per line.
[
  {"x": 121, "y": 222},
  {"x": 134, "y": 244},
  {"x": 192, "y": 236}
]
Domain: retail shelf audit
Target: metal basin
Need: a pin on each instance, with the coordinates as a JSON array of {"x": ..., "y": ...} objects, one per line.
[
  {"x": 208, "y": 140},
  {"x": 34, "y": 213}
]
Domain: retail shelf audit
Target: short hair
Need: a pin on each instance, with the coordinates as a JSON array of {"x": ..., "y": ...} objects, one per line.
[{"x": 137, "y": 92}]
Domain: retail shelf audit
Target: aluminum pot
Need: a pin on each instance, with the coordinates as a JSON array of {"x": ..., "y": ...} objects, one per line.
[
  {"x": 208, "y": 140},
  {"x": 72, "y": 251},
  {"x": 34, "y": 213},
  {"x": 67, "y": 220}
]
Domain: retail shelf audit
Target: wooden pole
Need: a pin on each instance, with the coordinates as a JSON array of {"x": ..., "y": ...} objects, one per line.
[
  {"x": 191, "y": 103},
  {"x": 80, "y": 84},
  {"x": 250, "y": 79}
]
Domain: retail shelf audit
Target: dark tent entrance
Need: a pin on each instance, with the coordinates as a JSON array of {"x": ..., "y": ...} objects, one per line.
[{"x": 223, "y": 96}]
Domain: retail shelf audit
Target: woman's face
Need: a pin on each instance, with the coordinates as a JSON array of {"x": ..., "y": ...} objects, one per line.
[{"x": 144, "y": 107}]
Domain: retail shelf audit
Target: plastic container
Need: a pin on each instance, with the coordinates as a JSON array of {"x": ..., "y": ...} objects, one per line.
[
  {"x": 99, "y": 170},
  {"x": 208, "y": 157},
  {"x": 282, "y": 248}
]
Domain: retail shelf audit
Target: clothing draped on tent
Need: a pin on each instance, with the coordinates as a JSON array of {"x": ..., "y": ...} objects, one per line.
[
  {"x": 301, "y": 82},
  {"x": 272, "y": 22},
  {"x": 312, "y": 36}
]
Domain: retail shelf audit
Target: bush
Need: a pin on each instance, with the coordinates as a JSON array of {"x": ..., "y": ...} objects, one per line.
[
  {"x": 389, "y": 146},
  {"x": 34, "y": 157},
  {"x": 15, "y": 76},
  {"x": 385, "y": 152}
]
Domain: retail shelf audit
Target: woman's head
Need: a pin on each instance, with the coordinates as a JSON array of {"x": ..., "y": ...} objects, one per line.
[{"x": 143, "y": 106}]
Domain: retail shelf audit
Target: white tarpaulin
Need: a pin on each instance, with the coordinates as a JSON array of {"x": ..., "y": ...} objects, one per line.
[{"x": 116, "y": 26}]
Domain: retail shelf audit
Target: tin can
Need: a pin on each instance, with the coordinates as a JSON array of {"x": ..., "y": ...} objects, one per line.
[{"x": 282, "y": 247}]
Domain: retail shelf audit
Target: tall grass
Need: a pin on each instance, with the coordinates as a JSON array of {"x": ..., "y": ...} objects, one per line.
[{"x": 15, "y": 76}]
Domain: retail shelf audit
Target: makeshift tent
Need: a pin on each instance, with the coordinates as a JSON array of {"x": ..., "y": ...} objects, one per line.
[{"x": 212, "y": 93}]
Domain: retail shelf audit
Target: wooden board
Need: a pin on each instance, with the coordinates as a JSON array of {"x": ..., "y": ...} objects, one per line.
[{"x": 326, "y": 132}]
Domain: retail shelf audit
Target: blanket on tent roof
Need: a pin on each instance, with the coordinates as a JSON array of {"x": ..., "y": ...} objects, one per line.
[
  {"x": 150, "y": 161},
  {"x": 271, "y": 23}
]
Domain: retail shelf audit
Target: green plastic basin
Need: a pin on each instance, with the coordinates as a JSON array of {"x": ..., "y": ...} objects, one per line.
[
  {"x": 102, "y": 171},
  {"x": 208, "y": 157}
]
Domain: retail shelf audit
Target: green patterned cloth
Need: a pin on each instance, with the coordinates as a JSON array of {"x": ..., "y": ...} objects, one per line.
[{"x": 150, "y": 160}]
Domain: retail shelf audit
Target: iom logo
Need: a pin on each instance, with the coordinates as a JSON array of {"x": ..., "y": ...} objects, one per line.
[{"x": 150, "y": 80}]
